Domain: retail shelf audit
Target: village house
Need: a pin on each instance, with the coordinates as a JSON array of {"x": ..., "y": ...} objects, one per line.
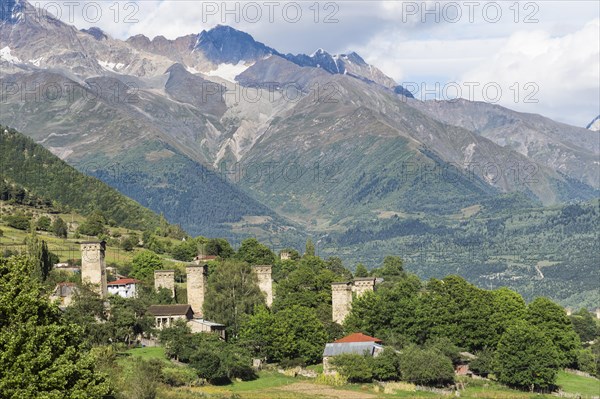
[
  {"x": 125, "y": 287},
  {"x": 63, "y": 293},
  {"x": 166, "y": 315},
  {"x": 357, "y": 343}
]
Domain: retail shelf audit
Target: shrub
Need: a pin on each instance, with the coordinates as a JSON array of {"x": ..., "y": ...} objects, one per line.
[
  {"x": 356, "y": 368},
  {"x": 179, "y": 376},
  {"x": 43, "y": 223},
  {"x": 386, "y": 366},
  {"x": 18, "y": 221},
  {"x": 586, "y": 361},
  {"x": 335, "y": 380},
  {"x": 426, "y": 367}
]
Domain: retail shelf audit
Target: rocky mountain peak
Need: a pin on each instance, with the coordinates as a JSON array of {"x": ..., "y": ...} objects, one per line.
[
  {"x": 96, "y": 33},
  {"x": 224, "y": 44},
  {"x": 11, "y": 11}
]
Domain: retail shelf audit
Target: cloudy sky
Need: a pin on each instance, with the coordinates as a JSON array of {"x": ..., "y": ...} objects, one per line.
[{"x": 541, "y": 57}]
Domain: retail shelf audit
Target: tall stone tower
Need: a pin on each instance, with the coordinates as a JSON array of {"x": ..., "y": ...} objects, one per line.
[
  {"x": 93, "y": 266},
  {"x": 196, "y": 288},
  {"x": 362, "y": 285},
  {"x": 265, "y": 283},
  {"x": 341, "y": 301},
  {"x": 165, "y": 279}
]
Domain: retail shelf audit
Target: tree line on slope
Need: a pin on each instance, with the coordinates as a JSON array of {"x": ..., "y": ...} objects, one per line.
[{"x": 31, "y": 167}]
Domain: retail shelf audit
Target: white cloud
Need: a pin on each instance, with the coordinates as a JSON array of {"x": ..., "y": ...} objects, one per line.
[{"x": 566, "y": 69}]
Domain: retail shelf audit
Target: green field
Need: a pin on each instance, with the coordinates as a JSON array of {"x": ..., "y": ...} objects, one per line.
[
  {"x": 69, "y": 248},
  {"x": 585, "y": 386}
]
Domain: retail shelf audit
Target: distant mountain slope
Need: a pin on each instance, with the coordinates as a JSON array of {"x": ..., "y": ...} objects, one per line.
[
  {"x": 571, "y": 150},
  {"x": 199, "y": 116},
  {"x": 36, "y": 169}
]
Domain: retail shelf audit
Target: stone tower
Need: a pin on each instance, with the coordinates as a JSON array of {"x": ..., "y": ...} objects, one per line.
[
  {"x": 165, "y": 279},
  {"x": 362, "y": 285},
  {"x": 341, "y": 301},
  {"x": 265, "y": 283},
  {"x": 93, "y": 266},
  {"x": 196, "y": 288}
]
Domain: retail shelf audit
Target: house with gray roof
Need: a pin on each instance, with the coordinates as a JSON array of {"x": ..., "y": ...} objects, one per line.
[{"x": 356, "y": 344}]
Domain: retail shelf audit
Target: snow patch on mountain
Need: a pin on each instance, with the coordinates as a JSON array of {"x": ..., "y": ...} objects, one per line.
[
  {"x": 229, "y": 71},
  {"x": 111, "y": 66},
  {"x": 6, "y": 55},
  {"x": 469, "y": 152},
  {"x": 37, "y": 61}
]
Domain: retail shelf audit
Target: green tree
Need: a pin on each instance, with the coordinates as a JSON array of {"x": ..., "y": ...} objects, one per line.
[
  {"x": 585, "y": 325},
  {"x": 232, "y": 293},
  {"x": 392, "y": 267},
  {"x": 484, "y": 363},
  {"x": 388, "y": 313},
  {"x": 43, "y": 223},
  {"x": 361, "y": 271},
  {"x": 41, "y": 356},
  {"x": 59, "y": 227},
  {"x": 176, "y": 342},
  {"x": 18, "y": 221},
  {"x": 219, "y": 247},
  {"x": 128, "y": 319},
  {"x": 425, "y": 367},
  {"x": 308, "y": 285},
  {"x": 144, "y": 264},
  {"x": 185, "y": 251},
  {"x": 255, "y": 253},
  {"x": 40, "y": 257},
  {"x": 336, "y": 265},
  {"x": 94, "y": 225},
  {"x": 552, "y": 320},
  {"x": 295, "y": 333},
  {"x": 87, "y": 311},
  {"x": 386, "y": 366},
  {"x": 508, "y": 307},
  {"x": 526, "y": 358},
  {"x": 309, "y": 249}
]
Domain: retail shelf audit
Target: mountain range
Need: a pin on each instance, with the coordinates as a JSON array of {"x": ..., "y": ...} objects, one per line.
[{"x": 226, "y": 136}]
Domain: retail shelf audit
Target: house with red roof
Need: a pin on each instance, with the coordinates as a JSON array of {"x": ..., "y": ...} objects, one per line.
[
  {"x": 124, "y": 287},
  {"x": 357, "y": 343}
]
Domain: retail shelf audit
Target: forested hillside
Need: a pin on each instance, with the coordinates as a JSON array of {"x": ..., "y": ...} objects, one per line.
[{"x": 29, "y": 171}]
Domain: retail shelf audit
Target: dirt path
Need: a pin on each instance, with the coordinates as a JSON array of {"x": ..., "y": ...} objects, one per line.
[{"x": 325, "y": 391}]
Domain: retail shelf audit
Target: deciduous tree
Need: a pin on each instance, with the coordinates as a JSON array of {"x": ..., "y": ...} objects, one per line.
[
  {"x": 231, "y": 294},
  {"x": 40, "y": 355},
  {"x": 526, "y": 358}
]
